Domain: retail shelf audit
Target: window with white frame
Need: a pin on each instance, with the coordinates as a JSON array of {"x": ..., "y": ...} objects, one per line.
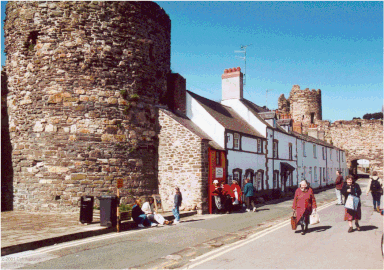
[
  {"x": 275, "y": 178},
  {"x": 290, "y": 151},
  {"x": 310, "y": 174},
  {"x": 315, "y": 173},
  {"x": 275, "y": 149},
  {"x": 236, "y": 141},
  {"x": 337, "y": 155},
  {"x": 314, "y": 151},
  {"x": 259, "y": 179},
  {"x": 304, "y": 152},
  {"x": 259, "y": 146}
]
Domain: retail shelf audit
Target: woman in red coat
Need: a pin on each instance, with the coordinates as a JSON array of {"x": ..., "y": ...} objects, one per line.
[{"x": 303, "y": 204}]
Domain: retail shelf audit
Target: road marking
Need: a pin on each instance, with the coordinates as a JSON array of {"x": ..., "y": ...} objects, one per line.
[{"x": 225, "y": 249}]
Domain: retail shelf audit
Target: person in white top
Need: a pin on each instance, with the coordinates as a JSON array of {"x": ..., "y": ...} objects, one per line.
[{"x": 147, "y": 208}]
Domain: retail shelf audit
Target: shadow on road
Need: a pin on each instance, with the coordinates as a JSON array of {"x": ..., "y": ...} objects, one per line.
[
  {"x": 192, "y": 220},
  {"x": 367, "y": 228},
  {"x": 316, "y": 229}
]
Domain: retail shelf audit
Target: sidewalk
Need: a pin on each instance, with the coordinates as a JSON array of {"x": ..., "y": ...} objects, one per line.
[{"x": 22, "y": 230}]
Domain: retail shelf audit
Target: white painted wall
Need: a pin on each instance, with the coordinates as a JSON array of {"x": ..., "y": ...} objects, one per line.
[
  {"x": 244, "y": 161},
  {"x": 205, "y": 121},
  {"x": 248, "y": 144},
  {"x": 246, "y": 114}
]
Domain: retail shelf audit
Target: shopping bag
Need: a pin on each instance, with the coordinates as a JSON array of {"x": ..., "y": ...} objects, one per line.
[
  {"x": 314, "y": 218},
  {"x": 293, "y": 223},
  {"x": 352, "y": 202}
]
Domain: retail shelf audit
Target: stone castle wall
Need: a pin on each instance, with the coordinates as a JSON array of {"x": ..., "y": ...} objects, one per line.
[
  {"x": 183, "y": 163},
  {"x": 303, "y": 103},
  {"x": 362, "y": 139},
  {"x": 83, "y": 79}
]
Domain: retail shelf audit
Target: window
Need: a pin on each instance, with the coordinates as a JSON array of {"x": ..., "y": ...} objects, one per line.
[
  {"x": 236, "y": 141},
  {"x": 312, "y": 118},
  {"x": 290, "y": 179},
  {"x": 304, "y": 153},
  {"x": 323, "y": 149},
  {"x": 218, "y": 159},
  {"x": 259, "y": 179},
  {"x": 237, "y": 175},
  {"x": 330, "y": 154},
  {"x": 315, "y": 173},
  {"x": 337, "y": 155},
  {"x": 323, "y": 174},
  {"x": 342, "y": 157},
  {"x": 259, "y": 146},
  {"x": 275, "y": 149},
  {"x": 249, "y": 175},
  {"x": 327, "y": 174},
  {"x": 275, "y": 179},
  {"x": 290, "y": 151},
  {"x": 310, "y": 174},
  {"x": 304, "y": 173},
  {"x": 314, "y": 151}
]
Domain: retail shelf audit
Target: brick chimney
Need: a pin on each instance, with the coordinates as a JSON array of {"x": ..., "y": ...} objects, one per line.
[
  {"x": 296, "y": 126},
  {"x": 232, "y": 84},
  {"x": 176, "y": 92}
]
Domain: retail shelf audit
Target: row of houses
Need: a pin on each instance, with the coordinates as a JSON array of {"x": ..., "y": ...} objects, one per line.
[{"x": 201, "y": 140}]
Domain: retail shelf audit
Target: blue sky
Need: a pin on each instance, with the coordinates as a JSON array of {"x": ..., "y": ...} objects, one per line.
[{"x": 333, "y": 46}]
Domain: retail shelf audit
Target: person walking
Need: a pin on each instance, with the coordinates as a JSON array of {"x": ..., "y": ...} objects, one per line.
[
  {"x": 140, "y": 217},
  {"x": 248, "y": 193},
  {"x": 178, "y": 198},
  {"x": 375, "y": 186},
  {"x": 350, "y": 187},
  {"x": 339, "y": 185},
  {"x": 147, "y": 208},
  {"x": 237, "y": 194},
  {"x": 304, "y": 203}
]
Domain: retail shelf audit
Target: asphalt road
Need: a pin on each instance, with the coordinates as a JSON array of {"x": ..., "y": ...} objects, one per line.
[
  {"x": 266, "y": 242},
  {"x": 328, "y": 245}
]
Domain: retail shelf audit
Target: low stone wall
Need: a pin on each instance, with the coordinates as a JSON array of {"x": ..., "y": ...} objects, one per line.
[{"x": 183, "y": 163}]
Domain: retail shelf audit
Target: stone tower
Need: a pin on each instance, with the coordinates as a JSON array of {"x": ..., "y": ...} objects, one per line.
[
  {"x": 305, "y": 106},
  {"x": 83, "y": 81}
]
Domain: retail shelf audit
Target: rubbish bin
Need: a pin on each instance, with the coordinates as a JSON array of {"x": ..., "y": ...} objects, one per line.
[
  {"x": 108, "y": 210},
  {"x": 86, "y": 209}
]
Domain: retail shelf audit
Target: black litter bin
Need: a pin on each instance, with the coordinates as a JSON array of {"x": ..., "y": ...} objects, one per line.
[
  {"x": 86, "y": 209},
  {"x": 108, "y": 210}
]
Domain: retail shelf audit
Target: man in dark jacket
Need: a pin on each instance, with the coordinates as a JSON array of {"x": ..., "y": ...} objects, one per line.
[
  {"x": 248, "y": 193},
  {"x": 339, "y": 185}
]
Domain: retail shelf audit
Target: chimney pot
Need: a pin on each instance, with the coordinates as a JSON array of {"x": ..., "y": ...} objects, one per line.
[
  {"x": 225, "y": 70},
  {"x": 238, "y": 69}
]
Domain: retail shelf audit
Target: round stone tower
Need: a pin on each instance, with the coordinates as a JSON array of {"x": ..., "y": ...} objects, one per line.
[
  {"x": 305, "y": 105},
  {"x": 83, "y": 81}
]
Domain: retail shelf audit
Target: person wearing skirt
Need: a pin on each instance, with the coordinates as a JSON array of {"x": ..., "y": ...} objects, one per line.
[
  {"x": 350, "y": 187},
  {"x": 304, "y": 203}
]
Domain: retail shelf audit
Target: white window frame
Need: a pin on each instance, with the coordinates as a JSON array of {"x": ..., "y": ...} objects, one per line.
[
  {"x": 236, "y": 141},
  {"x": 315, "y": 173},
  {"x": 259, "y": 146},
  {"x": 314, "y": 150},
  {"x": 259, "y": 179}
]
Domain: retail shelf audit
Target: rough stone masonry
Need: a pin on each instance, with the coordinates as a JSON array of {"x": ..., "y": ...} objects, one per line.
[{"x": 83, "y": 79}]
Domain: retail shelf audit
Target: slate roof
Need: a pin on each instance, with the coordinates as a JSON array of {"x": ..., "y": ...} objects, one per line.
[
  {"x": 313, "y": 140},
  {"x": 226, "y": 116},
  {"x": 187, "y": 123}
]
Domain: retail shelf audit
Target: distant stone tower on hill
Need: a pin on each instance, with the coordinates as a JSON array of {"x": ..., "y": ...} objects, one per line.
[
  {"x": 83, "y": 81},
  {"x": 304, "y": 106}
]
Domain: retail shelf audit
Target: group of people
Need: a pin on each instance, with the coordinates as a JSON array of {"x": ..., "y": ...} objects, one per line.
[
  {"x": 145, "y": 215},
  {"x": 228, "y": 198},
  {"x": 304, "y": 202}
]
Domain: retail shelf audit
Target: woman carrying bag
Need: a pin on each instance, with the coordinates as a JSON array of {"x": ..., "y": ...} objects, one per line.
[
  {"x": 304, "y": 203},
  {"x": 352, "y": 188}
]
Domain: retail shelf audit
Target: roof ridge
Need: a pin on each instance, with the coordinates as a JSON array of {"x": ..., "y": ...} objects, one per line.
[{"x": 209, "y": 99}]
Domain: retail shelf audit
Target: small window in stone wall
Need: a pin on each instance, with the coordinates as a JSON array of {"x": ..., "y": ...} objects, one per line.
[{"x": 32, "y": 40}]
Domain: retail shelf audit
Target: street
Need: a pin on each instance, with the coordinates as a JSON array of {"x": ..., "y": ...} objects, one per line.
[{"x": 239, "y": 240}]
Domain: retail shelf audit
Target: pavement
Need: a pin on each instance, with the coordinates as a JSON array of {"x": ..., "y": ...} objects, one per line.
[{"x": 22, "y": 230}]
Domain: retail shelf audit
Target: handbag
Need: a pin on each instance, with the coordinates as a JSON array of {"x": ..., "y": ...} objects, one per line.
[
  {"x": 352, "y": 202},
  {"x": 314, "y": 218},
  {"x": 293, "y": 223}
]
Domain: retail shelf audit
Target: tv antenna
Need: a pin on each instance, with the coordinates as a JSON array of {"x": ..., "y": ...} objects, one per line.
[
  {"x": 244, "y": 51},
  {"x": 266, "y": 97}
]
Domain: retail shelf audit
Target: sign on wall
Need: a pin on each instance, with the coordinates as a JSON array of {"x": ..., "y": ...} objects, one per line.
[{"x": 219, "y": 172}]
